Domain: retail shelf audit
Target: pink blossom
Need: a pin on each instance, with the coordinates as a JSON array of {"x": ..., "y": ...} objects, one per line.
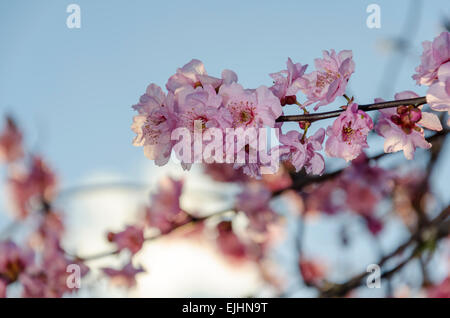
[
  {"x": 10, "y": 142},
  {"x": 201, "y": 105},
  {"x": 287, "y": 82},
  {"x": 303, "y": 153},
  {"x": 250, "y": 108},
  {"x": 402, "y": 126},
  {"x": 132, "y": 238},
  {"x": 254, "y": 201},
  {"x": 154, "y": 124},
  {"x": 438, "y": 95},
  {"x": 224, "y": 172},
  {"x": 13, "y": 261},
  {"x": 229, "y": 243},
  {"x": 193, "y": 74},
  {"x": 3, "y": 287},
  {"x": 164, "y": 211},
  {"x": 123, "y": 277},
  {"x": 348, "y": 135},
  {"x": 330, "y": 78},
  {"x": 441, "y": 290},
  {"x": 312, "y": 271},
  {"x": 38, "y": 182},
  {"x": 434, "y": 55}
]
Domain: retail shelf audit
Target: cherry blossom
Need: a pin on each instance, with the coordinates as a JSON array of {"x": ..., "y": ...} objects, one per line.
[
  {"x": 10, "y": 142},
  {"x": 402, "y": 127},
  {"x": 347, "y": 137},
  {"x": 123, "y": 277},
  {"x": 132, "y": 238},
  {"x": 302, "y": 152},
  {"x": 434, "y": 55},
  {"x": 287, "y": 82},
  {"x": 330, "y": 78},
  {"x": 193, "y": 74},
  {"x": 438, "y": 95}
]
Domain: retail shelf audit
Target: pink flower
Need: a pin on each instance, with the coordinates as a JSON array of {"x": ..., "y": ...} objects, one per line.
[
  {"x": 3, "y": 286},
  {"x": 250, "y": 108},
  {"x": 164, "y": 211},
  {"x": 402, "y": 126},
  {"x": 302, "y": 153},
  {"x": 132, "y": 238},
  {"x": 39, "y": 182},
  {"x": 123, "y": 277},
  {"x": 312, "y": 271},
  {"x": 201, "y": 106},
  {"x": 229, "y": 243},
  {"x": 438, "y": 95},
  {"x": 254, "y": 201},
  {"x": 154, "y": 124},
  {"x": 13, "y": 261},
  {"x": 224, "y": 172},
  {"x": 348, "y": 134},
  {"x": 287, "y": 82},
  {"x": 10, "y": 142},
  {"x": 330, "y": 78},
  {"x": 434, "y": 55},
  {"x": 193, "y": 74},
  {"x": 441, "y": 290}
]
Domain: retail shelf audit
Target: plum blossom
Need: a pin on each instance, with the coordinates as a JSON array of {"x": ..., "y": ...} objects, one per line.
[
  {"x": 254, "y": 201},
  {"x": 330, "y": 78},
  {"x": 312, "y": 271},
  {"x": 125, "y": 276},
  {"x": 434, "y": 55},
  {"x": 154, "y": 124},
  {"x": 38, "y": 182},
  {"x": 348, "y": 135},
  {"x": 193, "y": 74},
  {"x": 438, "y": 95},
  {"x": 287, "y": 82},
  {"x": 229, "y": 243},
  {"x": 10, "y": 142},
  {"x": 250, "y": 108},
  {"x": 402, "y": 127},
  {"x": 303, "y": 152},
  {"x": 164, "y": 211},
  {"x": 13, "y": 261},
  {"x": 132, "y": 238}
]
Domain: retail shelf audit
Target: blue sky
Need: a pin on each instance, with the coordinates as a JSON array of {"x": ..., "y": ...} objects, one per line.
[{"x": 72, "y": 89}]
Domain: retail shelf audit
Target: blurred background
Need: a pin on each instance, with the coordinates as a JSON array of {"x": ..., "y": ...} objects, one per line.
[{"x": 71, "y": 92}]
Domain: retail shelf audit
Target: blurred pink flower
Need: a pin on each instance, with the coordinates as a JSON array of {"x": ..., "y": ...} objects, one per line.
[
  {"x": 164, "y": 211},
  {"x": 348, "y": 135},
  {"x": 441, "y": 290},
  {"x": 229, "y": 243},
  {"x": 193, "y": 74},
  {"x": 254, "y": 201},
  {"x": 13, "y": 261},
  {"x": 286, "y": 82},
  {"x": 312, "y": 271},
  {"x": 250, "y": 108},
  {"x": 10, "y": 142},
  {"x": 123, "y": 277},
  {"x": 434, "y": 55},
  {"x": 303, "y": 153},
  {"x": 132, "y": 238},
  {"x": 3, "y": 286},
  {"x": 402, "y": 126},
  {"x": 38, "y": 182},
  {"x": 330, "y": 78}
]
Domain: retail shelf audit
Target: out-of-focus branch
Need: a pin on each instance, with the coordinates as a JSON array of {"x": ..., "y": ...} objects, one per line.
[{"x": 438, "y": 228}]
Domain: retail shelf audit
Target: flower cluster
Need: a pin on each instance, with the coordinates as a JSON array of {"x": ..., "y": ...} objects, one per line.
[{"x": 211, "y": 107}]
